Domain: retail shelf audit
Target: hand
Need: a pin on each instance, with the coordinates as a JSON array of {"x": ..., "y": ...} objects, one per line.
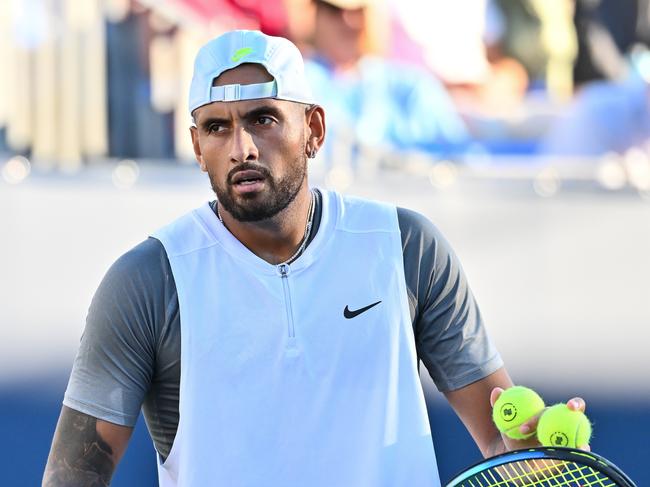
[
  {"x": 525, "y": 428},
  {"x": 578, "y": 404},
  {"x": 575, "y": 404}
]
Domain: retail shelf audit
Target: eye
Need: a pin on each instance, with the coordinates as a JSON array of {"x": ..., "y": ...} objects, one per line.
[
  {"x": 264, "y": 120},
  {"x": 214, "y": 127}
]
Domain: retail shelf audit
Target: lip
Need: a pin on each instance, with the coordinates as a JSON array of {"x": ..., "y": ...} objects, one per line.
[
  {"x": 248, "y": 181},
  {"x": 246, "y": 176}
]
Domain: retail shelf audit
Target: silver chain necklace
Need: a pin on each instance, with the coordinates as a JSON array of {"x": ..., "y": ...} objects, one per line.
[{"x": 308, "y": 227}]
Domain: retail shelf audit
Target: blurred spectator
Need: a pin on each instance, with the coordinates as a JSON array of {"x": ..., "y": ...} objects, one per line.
[
  {"x": 271, "y": 14},
  {"x": 459, "y": 42},
  {"x": 136, "y": 129},
  {"x": 446, "y": 37},
  {"x": 611, "y": 108},
  {"x": 607, "y": 30},
  {"x": 506, "y": 79},
  {"x": 376, "y": 101},
  {"x": 605, "y": 116},
  {"x": 540, "y": 35}
]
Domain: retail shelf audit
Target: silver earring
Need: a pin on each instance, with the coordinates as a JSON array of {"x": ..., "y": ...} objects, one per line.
[{"x": 312, "y": 153}]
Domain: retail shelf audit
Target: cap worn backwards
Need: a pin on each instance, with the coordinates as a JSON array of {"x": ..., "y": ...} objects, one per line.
[{"x": 279, "y": 56}]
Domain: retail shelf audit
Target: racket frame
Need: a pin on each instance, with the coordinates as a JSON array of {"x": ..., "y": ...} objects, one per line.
[{"x": 589, "y": 459}]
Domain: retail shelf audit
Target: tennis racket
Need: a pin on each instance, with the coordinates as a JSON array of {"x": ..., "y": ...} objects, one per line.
[{"x": 543, "y": 467}]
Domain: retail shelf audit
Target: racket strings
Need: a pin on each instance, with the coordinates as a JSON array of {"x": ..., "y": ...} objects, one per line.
[{"x": 540, "y": 473}]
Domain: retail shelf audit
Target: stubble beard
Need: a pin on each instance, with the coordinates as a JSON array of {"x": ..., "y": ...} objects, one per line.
[{"x": 257, "y": 207}]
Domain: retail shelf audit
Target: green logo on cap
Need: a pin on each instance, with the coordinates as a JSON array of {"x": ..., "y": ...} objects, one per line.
[{"x": 240, "y": 53}]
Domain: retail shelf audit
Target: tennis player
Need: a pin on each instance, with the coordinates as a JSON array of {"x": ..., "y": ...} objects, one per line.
[{"x": 273, "y": 336}]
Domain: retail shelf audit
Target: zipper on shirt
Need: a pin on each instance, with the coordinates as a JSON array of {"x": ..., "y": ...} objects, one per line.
[{"x": 284, "y": 275}]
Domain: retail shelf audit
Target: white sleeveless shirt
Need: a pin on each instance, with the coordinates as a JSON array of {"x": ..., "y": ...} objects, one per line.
[{"x": 278, "y": 387}]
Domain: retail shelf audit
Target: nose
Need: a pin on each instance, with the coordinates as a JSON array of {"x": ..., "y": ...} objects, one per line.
[{"x": 242, "y": 147}]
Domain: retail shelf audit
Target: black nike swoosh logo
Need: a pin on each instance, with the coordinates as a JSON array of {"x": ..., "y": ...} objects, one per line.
[{"x": 351, "y": 314}]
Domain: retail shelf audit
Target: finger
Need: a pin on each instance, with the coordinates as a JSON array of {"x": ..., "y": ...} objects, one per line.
[
  {"x": 577, "y": 404},
  {"x": 494, "y": 395},
  {"x": 584, "y": 448},
  {"x": 530, "y": 425}
]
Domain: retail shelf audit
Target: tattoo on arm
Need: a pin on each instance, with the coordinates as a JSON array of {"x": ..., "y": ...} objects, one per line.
[{"x": 79, "y": 456}]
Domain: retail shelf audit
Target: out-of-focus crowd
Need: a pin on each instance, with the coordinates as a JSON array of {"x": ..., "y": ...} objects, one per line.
[{"x": 89, "y": 79}]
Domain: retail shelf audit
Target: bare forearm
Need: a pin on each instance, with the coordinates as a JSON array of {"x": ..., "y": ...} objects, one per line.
[
  {"x": 495, "y": 447},
  {"x": 80, "y": 455},
  {"x": 472, "y": 404}
]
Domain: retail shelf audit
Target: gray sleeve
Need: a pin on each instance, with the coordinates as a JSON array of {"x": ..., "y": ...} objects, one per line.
[
  {"x": 113, "y": 369},
  {"x": 450, "y": 336}
]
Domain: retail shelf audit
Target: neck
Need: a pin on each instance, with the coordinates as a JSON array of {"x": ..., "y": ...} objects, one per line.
[{"x": 276, "y": 239}]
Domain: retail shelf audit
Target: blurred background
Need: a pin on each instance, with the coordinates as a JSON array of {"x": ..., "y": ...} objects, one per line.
[{"x": 520, "y": 127}]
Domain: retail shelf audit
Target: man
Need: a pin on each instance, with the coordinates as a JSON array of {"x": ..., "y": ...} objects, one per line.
[
  {"x": 377, "y": 102},
  {"x": 273, "y": 336}
]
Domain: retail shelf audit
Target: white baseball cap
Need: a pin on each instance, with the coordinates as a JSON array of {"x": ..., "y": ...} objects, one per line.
[{"x": 278, "y": 55}]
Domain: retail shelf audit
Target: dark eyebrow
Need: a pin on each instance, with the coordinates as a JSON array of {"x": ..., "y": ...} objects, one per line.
[
  {"x": 263, "y": 110},
  {"x": 205, "y": 124},
  {"x": 250, "y": 115}
]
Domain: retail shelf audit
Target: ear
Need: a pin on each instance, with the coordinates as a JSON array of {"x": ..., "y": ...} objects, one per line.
[
  {"x": 194, "y": 133},
  {"x": 315, "y": 128}
]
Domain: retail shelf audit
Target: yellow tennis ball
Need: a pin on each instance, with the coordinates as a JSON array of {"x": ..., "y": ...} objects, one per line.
[
  {"x": 561, "y": 426},
  {"x": 515, "y": 406}
]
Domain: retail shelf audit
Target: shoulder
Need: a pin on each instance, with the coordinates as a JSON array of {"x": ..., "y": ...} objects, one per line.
[
  {"x": 413, "y": 221},
  {"x": 146, "y": 253},
  {"x": 418, "y": 230},
  {"x": 139, "y": 281},
  {"x": 428, "y": 257},
  {"x": 146, "y": 260},
  {"x": 136, "y": 305}
]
